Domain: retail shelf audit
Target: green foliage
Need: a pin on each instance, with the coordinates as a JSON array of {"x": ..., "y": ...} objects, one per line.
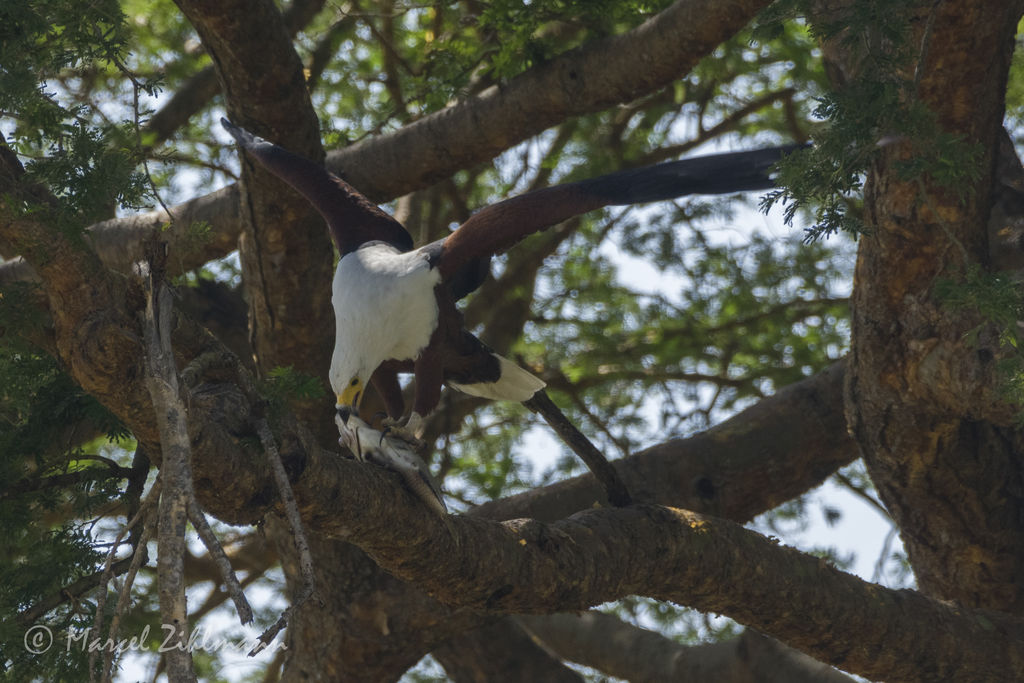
[
  {"x": 40, "y": 39},
  {"x": 46, "y": 48},
  {"x": 878, "y": 108},
  {"x": 284, "y": 385},
  {"x": 51, "y": 492},
  {"x": 47, "y": 504},
  {"x": 90, "y": 172},
  {"x": 746, "y": 320}
]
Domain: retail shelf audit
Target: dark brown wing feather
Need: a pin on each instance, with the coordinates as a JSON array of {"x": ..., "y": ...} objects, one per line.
[
  {"x": 500, "y": 226},
  {"x": 352, "y": 218}
]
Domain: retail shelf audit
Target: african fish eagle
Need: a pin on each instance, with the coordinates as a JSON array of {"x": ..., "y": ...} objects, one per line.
[{"x": 395, "y": 305}]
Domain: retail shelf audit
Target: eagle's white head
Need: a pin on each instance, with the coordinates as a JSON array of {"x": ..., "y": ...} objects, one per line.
[{"x": 349, "y": 378}]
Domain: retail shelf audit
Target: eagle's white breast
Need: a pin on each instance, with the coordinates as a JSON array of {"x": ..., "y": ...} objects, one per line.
[{"x": 384, "y": 308}]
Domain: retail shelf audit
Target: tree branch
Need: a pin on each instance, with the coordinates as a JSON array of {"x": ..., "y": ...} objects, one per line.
[
  {"x": 707, "y": 563},
  {"x": 765, "y": 455},
  {"x": 286, "y": 255},
  {"x": 95, "y": 338},
  {"x": 220, "y": 558},
  {"x": 502, "y": 651},
  {"x": 929, "y": 411},
  {"x": 291, "y": 511},
  {"x": 197, "y": 91},
  {"x": 598, "y": 75},
  {"x": 615, "y": 491},
  {"x": 175, "y": 473},
  {"x": 616, "y": 648}
]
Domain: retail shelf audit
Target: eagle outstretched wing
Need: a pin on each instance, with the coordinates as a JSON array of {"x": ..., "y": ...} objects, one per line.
[
  {"x": 500, "y": 226},
  {"x": 462, "y": 256},
  {"x": 352, "y": 218}
]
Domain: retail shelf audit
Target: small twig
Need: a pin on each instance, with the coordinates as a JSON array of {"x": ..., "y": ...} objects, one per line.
[
  {"x": 217, "y": 597},
  {"x": 884, "y": 555},
  {"x": 268, "y": 636},
  {"x": 137, "y": 85},
  {"x": 291, "y": 509},
  {"x": 864, "y": 495},
  {"x": 107, "y": 574},
  {"x": 597, "y": 422},
  {"x": 213, "y": 546},
  {"x": 603, "y": 470},
  {"x": 922, "y": 55},
  {"x": 138, "y": 558}
]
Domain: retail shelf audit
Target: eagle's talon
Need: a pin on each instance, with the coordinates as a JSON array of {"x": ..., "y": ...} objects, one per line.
[{"x": 408, "y": 429}]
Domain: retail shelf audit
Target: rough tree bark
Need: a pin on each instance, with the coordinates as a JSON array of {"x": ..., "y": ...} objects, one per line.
[
  {"x": 290, "y": 316},
  {"x": 941, "y": 444}
]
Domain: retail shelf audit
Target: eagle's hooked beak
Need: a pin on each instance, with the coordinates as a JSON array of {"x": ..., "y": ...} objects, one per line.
[{"x": 348, "y": 400}]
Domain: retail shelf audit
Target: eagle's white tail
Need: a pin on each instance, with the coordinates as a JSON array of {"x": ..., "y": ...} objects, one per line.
[{"x": 514, "y": 384}]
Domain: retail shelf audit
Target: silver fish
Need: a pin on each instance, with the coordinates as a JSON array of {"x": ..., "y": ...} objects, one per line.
[{"x": 381, "y": 449}]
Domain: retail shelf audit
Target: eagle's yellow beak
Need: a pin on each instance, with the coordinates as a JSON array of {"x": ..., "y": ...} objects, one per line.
[{"x": 352, "y": 394}]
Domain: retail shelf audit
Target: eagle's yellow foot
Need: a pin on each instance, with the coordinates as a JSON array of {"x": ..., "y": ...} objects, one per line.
[{"x": 409, "y": 429}]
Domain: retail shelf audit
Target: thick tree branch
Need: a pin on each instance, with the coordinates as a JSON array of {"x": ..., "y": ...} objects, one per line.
[
  {"x": 924, "y": 398},
  {"x": 704, "y": 562},
  {"x": 197, "y": 231},
  {"x": 502, "y": 651},
  {"x": 614, "y": 647},
  {"x": 598, "y": 75},
  {"x": 95, "y": 337},
  {"x": 197, "y": 91},
  {"x": 738, "y": 469}
]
